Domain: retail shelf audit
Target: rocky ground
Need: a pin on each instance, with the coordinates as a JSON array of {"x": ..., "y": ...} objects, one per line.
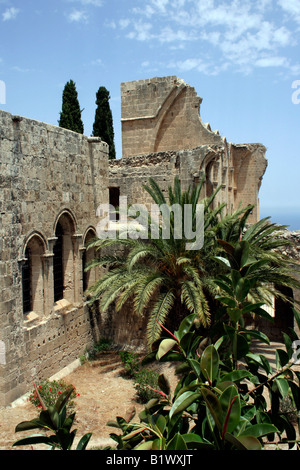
[{"x": 104, "y": 394}]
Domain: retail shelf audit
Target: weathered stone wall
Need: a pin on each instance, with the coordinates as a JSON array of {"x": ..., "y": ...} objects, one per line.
[
  {"x": 53, "y": 180},
  {"x": 161, "y": 114},
  {"x": 239, "y": 184},
  {"x": 47, "y": 175},
  {"x": 163, "y": 136}
]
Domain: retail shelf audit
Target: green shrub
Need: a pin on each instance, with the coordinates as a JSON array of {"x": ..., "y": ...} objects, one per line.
[
  {"x": 104, "y": 344},
  {"x": 145, "y": 381},
  {"x": 50, "y": 391},
  {"x": 131, "y": 363},
  {"x": 56, "y": 420}
]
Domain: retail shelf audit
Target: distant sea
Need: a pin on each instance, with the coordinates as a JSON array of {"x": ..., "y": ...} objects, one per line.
[{"x": 292, "y": 219}]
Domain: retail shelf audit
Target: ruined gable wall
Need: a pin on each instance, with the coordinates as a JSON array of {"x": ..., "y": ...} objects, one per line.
[
  {"x": 161, "y": 114},
  {"x": 44, "y": 171},
  {"x": 237, "y": 170}
]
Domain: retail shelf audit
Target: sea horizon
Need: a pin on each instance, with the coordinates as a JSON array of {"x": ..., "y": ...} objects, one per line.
[{"x": 281, "y": 217}]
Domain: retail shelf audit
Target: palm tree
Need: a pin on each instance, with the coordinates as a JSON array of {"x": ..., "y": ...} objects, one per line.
[{"x": 164, "y": 278}]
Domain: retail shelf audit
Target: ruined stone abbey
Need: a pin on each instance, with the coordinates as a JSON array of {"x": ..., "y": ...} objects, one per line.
[{"x": 52, "y": 180}]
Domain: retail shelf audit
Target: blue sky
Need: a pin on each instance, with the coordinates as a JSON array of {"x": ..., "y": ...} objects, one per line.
[{"x": 242, "y": 57}]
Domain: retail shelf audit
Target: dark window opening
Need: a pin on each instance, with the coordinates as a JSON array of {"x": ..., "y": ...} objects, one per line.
[
  {"x": 88, "y": 277},
  {"x": 209, "y": 179},
  {"x": 26, "y": 283},
  {"x": 114, "y": 200},
  {"x": 58, "y": 264},
  {"x": 284, "y": 317}
]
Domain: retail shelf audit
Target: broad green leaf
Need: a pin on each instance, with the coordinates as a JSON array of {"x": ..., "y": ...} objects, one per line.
[
  {"x": 186, "y": 340},
  {"x": 185, "y": 326},
  {"x": 138, "y": 430},
  {"x": 259, "y": 430},
  {"x": 196, "y": 366},
  {"x": 231, "y": 407},
  {"x": 282, "y": 358},
  {"x": 222, "y": 260},
  {"x": 296, "y": 393},
  {"x": 214, "y": 406},
  {"x": 210, "y": 363},
  {"x": 249, "y": 412},
  {"x": 256, "y": 334},
  {"x": 252, "y": 307},
  {"x": 159, "y": 423},
  {"x": 297, "y": 316},
  {"x": 240, "y": 346},
  {"x": 236, "y": 375},
  {"x": 63, "y": 398},
  {"x": 145, "y": 446},
  {"x": 244, "y": 442},
  {"x": 158, "y": 444},
  {"x": 288, "y": 344},
  {"x": 242, "y": 289},
  {"x": 262, "y": 313},
  {"x": 177, "y": 443},
  {"x": 227, "y": 246},
  {"x": 194, "y": 442},
  {"x": 33, "y": 439},
  {"x": 283, "y": 386},
  {"x": 164, "y": 384},
  {"x": 255, "y": 357},
  {"x": 165, "y": 346},
  {"x": 224, "y": 286},
  {"x": 82, "y": 444},
  {"x": 122, "y": 423},
  {"x": 241, "y": 253},
  {"x": 183, "y": 401},
  {"x": 219, "y": 342},
  {"x": 54, "y": 417},
  {"x": 266, "y": 364},
  {"x": 234, "y": 314},
  {"x": 227, "y": 301},
  {"x": 257, "y": 265},
  {"x": 113, "y": 424},
  {"x": 235, "y": 277},
  {"x": 29, "y": 425}
]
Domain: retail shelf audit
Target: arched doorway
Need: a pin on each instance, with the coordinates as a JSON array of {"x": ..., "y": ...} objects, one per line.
[
  {"x": 63, "y": 261},
  {"x": 33, "y": 276},
  {"x": 89, "y": 277}
]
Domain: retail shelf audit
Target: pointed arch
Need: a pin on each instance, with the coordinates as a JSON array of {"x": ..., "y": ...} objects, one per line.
[
  {"x": 64, "y": 256},
  {"x": 33, "y": 274},
  {"x": 88, "y": 277}
]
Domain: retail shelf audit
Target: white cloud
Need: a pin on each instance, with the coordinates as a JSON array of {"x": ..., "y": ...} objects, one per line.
[
  {"x": 77, "y": 16},
  {"x": 124, "y": 23},
  {"x": 290, "y": 6},
  {"x": 10, "y": 14},
  {"x": 243, "y": 33},
  {"x": 272, "y": 62},
  {"x": 201, "y": 65},
  {"x": 95, "y": 3},
  {"x": 141, "y": 31},
  {"x": 16, "y": 68},
  {"x": 97, "y": 62}
]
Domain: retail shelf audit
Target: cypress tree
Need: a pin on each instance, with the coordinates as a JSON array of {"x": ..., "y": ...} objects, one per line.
[
  {"x": 103, "y": 124},
  {"x": 70, "y": 116}
]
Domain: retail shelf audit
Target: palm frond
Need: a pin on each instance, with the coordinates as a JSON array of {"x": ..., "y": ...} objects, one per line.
[
  {"x": 158, "y": 315},
  {"x": 146, "y": 288},
  {"x": 141, "y": 251}
]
